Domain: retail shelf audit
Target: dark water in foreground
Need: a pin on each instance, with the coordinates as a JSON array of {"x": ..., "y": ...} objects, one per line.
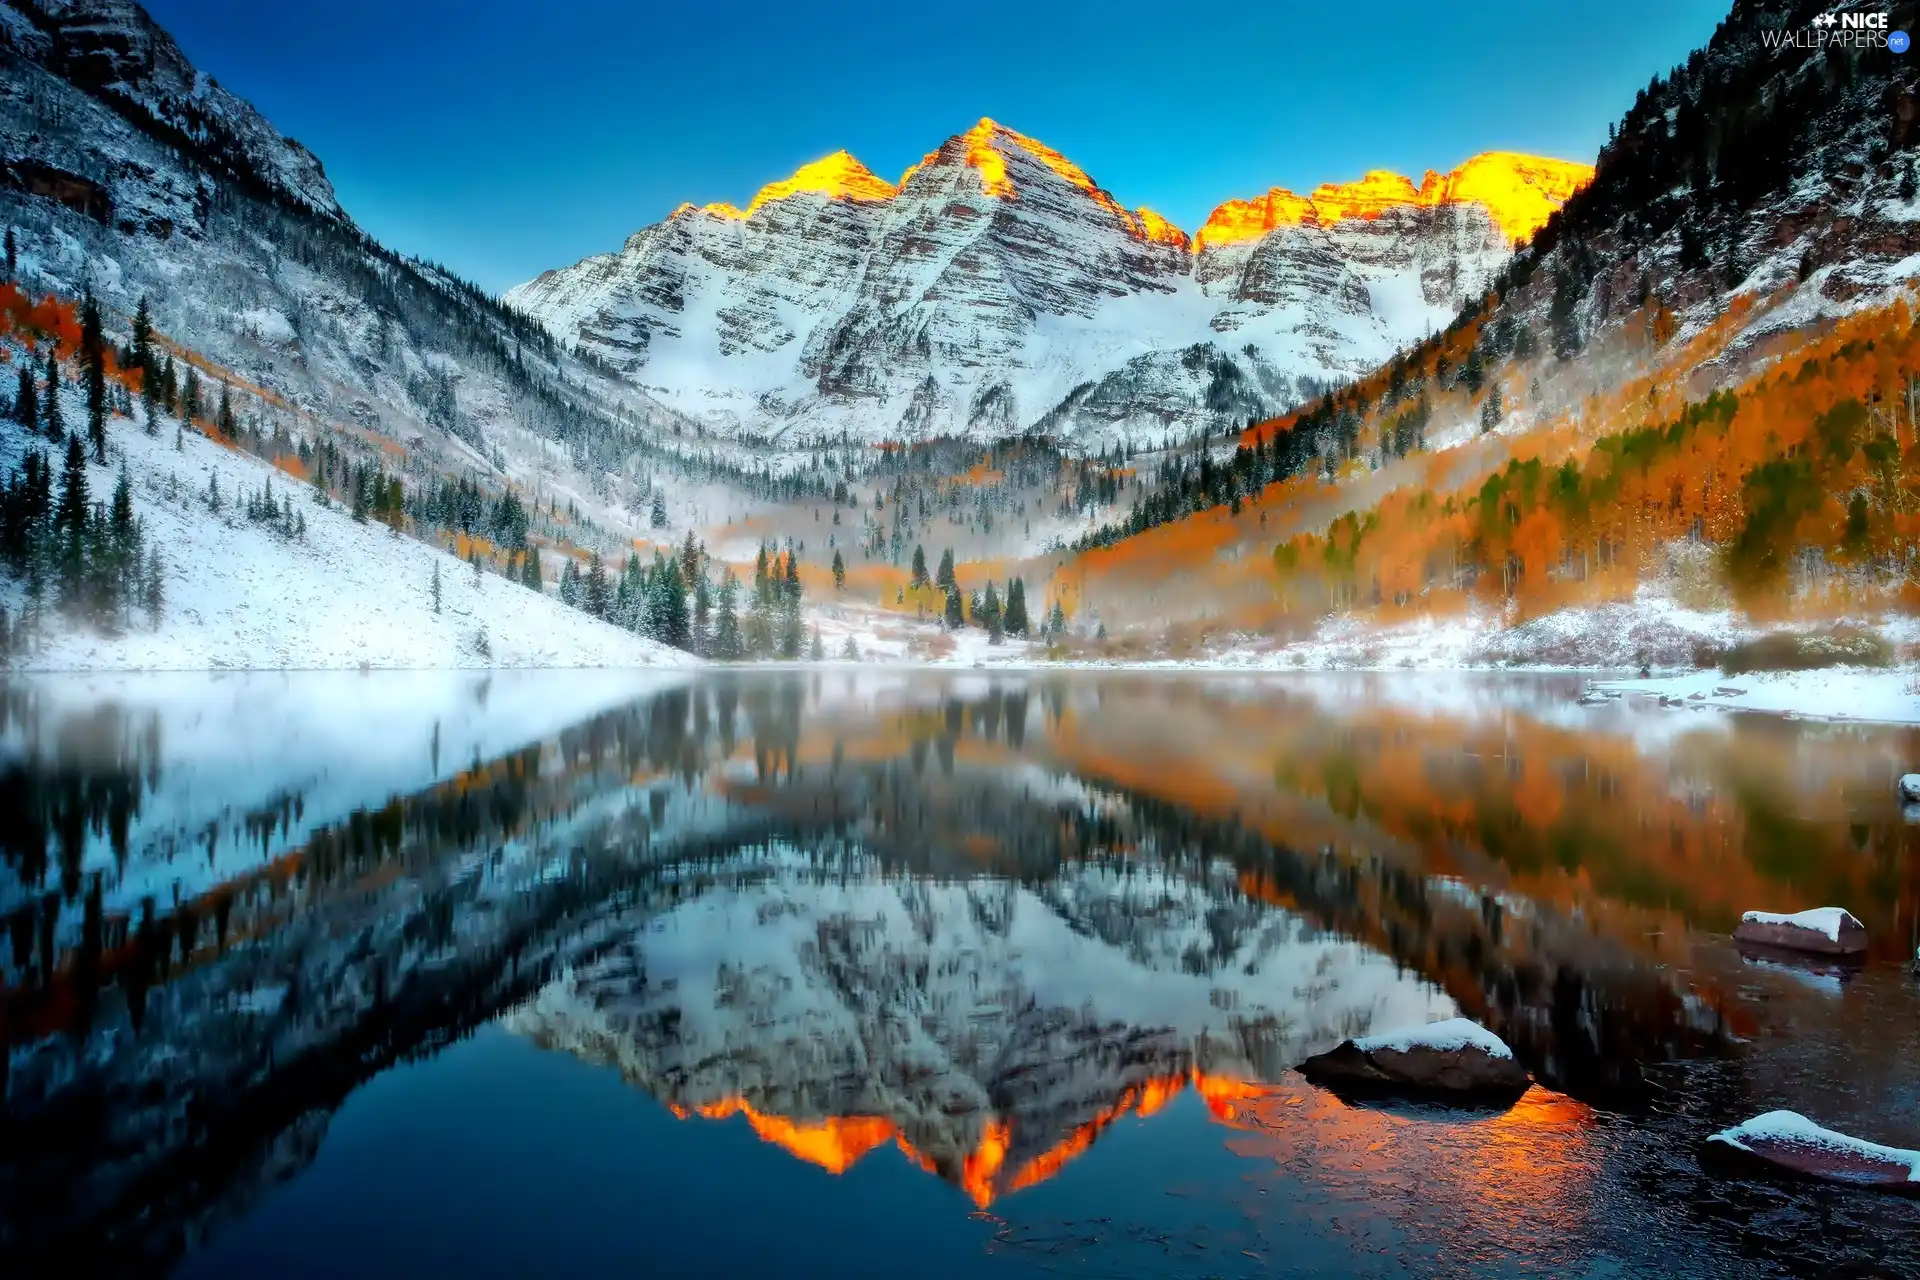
[{"x": 869, "y": 973}]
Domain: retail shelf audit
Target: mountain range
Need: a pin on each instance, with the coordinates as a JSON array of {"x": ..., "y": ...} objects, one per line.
[{"x": 997, "y": 289}]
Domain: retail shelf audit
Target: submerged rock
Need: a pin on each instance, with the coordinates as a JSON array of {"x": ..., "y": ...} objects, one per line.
[
  {"x": 1787, "y": 1140},
  {"x": 1452, "y": 1059},
  {"x": 1829, "y": 931}
]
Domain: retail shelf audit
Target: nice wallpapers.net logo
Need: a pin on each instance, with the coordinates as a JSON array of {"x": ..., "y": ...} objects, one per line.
[{"x": 1841, "y": 31}]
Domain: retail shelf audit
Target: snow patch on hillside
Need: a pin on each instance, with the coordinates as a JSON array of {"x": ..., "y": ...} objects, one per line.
[{"x": 348, "y": 594}]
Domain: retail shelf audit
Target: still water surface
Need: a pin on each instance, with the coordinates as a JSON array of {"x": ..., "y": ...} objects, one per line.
[{"x": 859, "y": 973}]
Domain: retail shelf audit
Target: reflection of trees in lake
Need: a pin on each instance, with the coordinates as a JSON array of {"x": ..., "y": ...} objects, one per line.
[{"x": 1456, "y": 850}]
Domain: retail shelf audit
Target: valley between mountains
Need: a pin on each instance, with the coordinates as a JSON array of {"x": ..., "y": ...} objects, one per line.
[{"x": 1652, "y": 409}]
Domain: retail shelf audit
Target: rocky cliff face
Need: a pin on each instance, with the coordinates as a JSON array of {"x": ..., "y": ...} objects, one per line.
[
  {"x": 110, "y": 48},
  {"x": 126, "y": 170},
  {"x": 998, "y": 288}
]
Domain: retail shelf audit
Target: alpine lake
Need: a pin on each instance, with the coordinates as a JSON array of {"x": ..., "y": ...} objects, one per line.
[{"x": 855, "y": 971}]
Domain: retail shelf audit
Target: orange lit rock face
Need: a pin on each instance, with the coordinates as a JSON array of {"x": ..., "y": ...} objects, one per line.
[
  {"x": 1518, "y": 191},
  {"x": 1151, "y": 226},
  {"x": 838, "y": 177},
  {"x": 835, "y": 1143}
]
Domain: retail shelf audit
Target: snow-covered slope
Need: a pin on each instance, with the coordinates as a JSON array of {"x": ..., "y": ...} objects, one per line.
[
  {"x": 997, "y": 288},
  {"x": 346, "y": 594}
]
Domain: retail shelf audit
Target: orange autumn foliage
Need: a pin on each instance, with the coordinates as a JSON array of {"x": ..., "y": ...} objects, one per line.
[{"x": 1804, "y": 483}]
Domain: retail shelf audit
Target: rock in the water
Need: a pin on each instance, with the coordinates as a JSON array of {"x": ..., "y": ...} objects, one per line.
[
  {"x": 1789, "y": 1141},
  {"x": 1453, "y": 1059},
  {"x": 1910, "y": 786},
  {"x": 1829, "y": 931}
]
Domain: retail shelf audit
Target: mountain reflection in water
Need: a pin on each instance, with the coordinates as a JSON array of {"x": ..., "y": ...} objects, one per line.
[{"x": 976, "y": 921}]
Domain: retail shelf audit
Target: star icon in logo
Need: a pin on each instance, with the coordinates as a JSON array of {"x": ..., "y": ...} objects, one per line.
[{"x": 1826, "y": 20}]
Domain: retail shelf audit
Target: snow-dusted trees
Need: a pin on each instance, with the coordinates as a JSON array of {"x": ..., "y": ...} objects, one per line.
[
  {"x": 26, "y": 401},
  {"x": 93, "y": 558},
  {"x": 1016, "y": 615},
  {"x": 727, "y": 641},
  {"x": 597, "y": 598},
  {"x": 93, "y": 368},
  {"x": 840, "y": 569}
]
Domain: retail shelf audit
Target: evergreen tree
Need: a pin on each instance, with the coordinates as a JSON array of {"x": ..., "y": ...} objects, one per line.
[
  {"x": 436, "y": 585},
  {"x": 658, "y": 516},
  {"x": 690, "y": 558},
  {"x": 727, "y": 641},
  {"x": 793, "y": 578},
  {"x": 93, "y": 361},
  {"x": 840, "y": 572},
  {"x": 627, "y": 612},
  {"x": 850, "y": 651},
  {"x": 170, "y": 385},
  {"x": 816, "y": 651},
  {"x": 667, "y": 604},
  {"x": 1057, "y": 620},
  {"x": 13, "y": 255},
  {"x": 570, "y": 583},
  {"x": 56, "y": 426},
  {"x": 190, "y": 407},
  {"x": 75, "y": 507},
  {"x": 702, "y": 614},
  {"x": 792, "y": 632},
  {"x": 122, "y": 568},
  {"x": 224, "y": 420},
  {"x": 945, "y": 579},
  {"x": 990, "y": 616},
  {"x": 1016, "y": 616},
  {"x": 952, "y": 618},
  {"x": 26, "y": 402},
  {"x": 919, "y": 565},
  {"x": 530, "y": 568},
  {"x": 143, "y": 339},
  {"x": 599, "y": 597},
  {"x": 155, "y": 589}
]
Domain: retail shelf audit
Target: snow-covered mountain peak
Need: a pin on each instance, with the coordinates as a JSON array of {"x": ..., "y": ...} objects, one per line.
[
  {"x": 839, "y": 176},
  {"x": 998, "y": 289}
]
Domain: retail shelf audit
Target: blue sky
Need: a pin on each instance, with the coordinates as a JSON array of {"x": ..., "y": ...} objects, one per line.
[{"x": 503, "y": 137}]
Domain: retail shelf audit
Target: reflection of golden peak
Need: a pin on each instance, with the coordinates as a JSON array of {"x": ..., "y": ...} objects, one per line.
[
  {"x": 837, "y": 177},
  {"x": 836, "y": 1143},
  {"x": 1518, "y": 191}
]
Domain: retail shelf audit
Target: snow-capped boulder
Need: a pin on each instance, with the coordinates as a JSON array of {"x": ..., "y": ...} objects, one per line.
[
  {"x": 1829, "y": 931},
  {"x": 1787, "y": 1140},
  {"x": 1452, "y": 1059}
]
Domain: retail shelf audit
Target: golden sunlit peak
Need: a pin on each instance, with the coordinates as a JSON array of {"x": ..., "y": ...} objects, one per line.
[
  {"x": 1151, "y": 226},
  {"x": 1518, "y": 191},
  {"x": 838, "y": 177},
  {"x": 985, "y": 149}
]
